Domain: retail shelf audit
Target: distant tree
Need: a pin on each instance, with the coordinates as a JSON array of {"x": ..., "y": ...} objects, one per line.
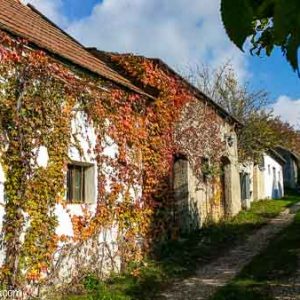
[
  {"x": 250, "y": 107},
  {"x": 268, "y": 23},
  {"x": 288, "y": 136},
  {"x": 222, "y": 85}
]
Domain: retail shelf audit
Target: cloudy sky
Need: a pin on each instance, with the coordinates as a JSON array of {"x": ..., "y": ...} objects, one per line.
[{"x": 181, "y": 32}]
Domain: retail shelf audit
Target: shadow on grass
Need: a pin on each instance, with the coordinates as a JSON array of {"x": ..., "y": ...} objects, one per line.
[{"x": 178, "y": 259}]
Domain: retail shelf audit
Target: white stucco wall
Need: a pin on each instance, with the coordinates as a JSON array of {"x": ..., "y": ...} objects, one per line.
[
  {"x": 273, "y": 177},
  {"x": 84, "y": 133}
]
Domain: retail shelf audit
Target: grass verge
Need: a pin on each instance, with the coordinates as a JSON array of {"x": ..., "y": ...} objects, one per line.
[{"x": 181, "y": 258}]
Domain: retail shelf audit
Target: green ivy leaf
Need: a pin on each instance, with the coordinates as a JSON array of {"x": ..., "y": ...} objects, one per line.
[{"x": 237, "y": 19}]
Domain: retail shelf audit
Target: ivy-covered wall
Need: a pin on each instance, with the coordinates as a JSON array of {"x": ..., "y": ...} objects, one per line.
[
  {"x": 213, "y": 167},
  {"x": 52, "y": 114},
  {"x": 200, "y": 132}
]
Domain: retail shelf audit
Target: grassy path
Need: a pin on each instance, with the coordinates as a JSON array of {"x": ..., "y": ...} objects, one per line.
[
  {"x": 216, "y": 274},
  {"x": 273, "y": 274}
]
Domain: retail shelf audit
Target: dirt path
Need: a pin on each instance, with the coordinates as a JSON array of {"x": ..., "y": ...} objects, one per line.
[{"x": 218, "y": 273}]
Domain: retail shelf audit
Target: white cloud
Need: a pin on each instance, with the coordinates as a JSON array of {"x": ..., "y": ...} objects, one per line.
[
  {"x": 50, "y": 8},
  {"x": 288, "y": 109},
  {"x": 180, "y": 32}
]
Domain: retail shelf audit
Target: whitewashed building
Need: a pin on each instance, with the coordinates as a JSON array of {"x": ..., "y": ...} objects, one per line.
[
  {"x": 81, "y": 174},
  {"x": 268, "y": 177},
  {"x": 203, "y": 199}
]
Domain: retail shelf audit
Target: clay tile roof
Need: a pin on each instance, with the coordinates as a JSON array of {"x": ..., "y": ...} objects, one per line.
[{"x": 27, "y": 22}]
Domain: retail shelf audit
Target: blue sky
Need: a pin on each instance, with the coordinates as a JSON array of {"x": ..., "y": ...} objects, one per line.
[
  {"x": 275, "y": 75},
  {"x": 75, "y": 9},
  {"x": 181, "y": 32}
]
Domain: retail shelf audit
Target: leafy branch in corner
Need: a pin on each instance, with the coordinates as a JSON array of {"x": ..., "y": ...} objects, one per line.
[{"x": 267, "y": 24}]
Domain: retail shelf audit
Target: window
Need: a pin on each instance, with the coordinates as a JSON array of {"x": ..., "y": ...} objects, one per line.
[{"x": 81, "y": 183}]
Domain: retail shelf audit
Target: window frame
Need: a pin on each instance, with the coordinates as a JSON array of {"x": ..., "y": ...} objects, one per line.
[{"x": 88, "y": 187}]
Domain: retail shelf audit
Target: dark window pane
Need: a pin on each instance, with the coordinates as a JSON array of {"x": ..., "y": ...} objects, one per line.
[{"x": 75, "y": 184}]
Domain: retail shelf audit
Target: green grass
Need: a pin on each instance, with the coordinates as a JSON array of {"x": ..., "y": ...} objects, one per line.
[
  {"x": 273, "y": 266},
  {"x": 178, "y": 259}
]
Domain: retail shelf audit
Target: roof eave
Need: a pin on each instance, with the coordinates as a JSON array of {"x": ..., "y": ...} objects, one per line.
[{"x": 277, "y": 156}]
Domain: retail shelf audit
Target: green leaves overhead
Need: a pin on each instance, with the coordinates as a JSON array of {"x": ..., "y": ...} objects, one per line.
[
  {"x": 268, "y": 23},
  {"x": 287, "y": 29},
  {"x": 237, "y": 18}
]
